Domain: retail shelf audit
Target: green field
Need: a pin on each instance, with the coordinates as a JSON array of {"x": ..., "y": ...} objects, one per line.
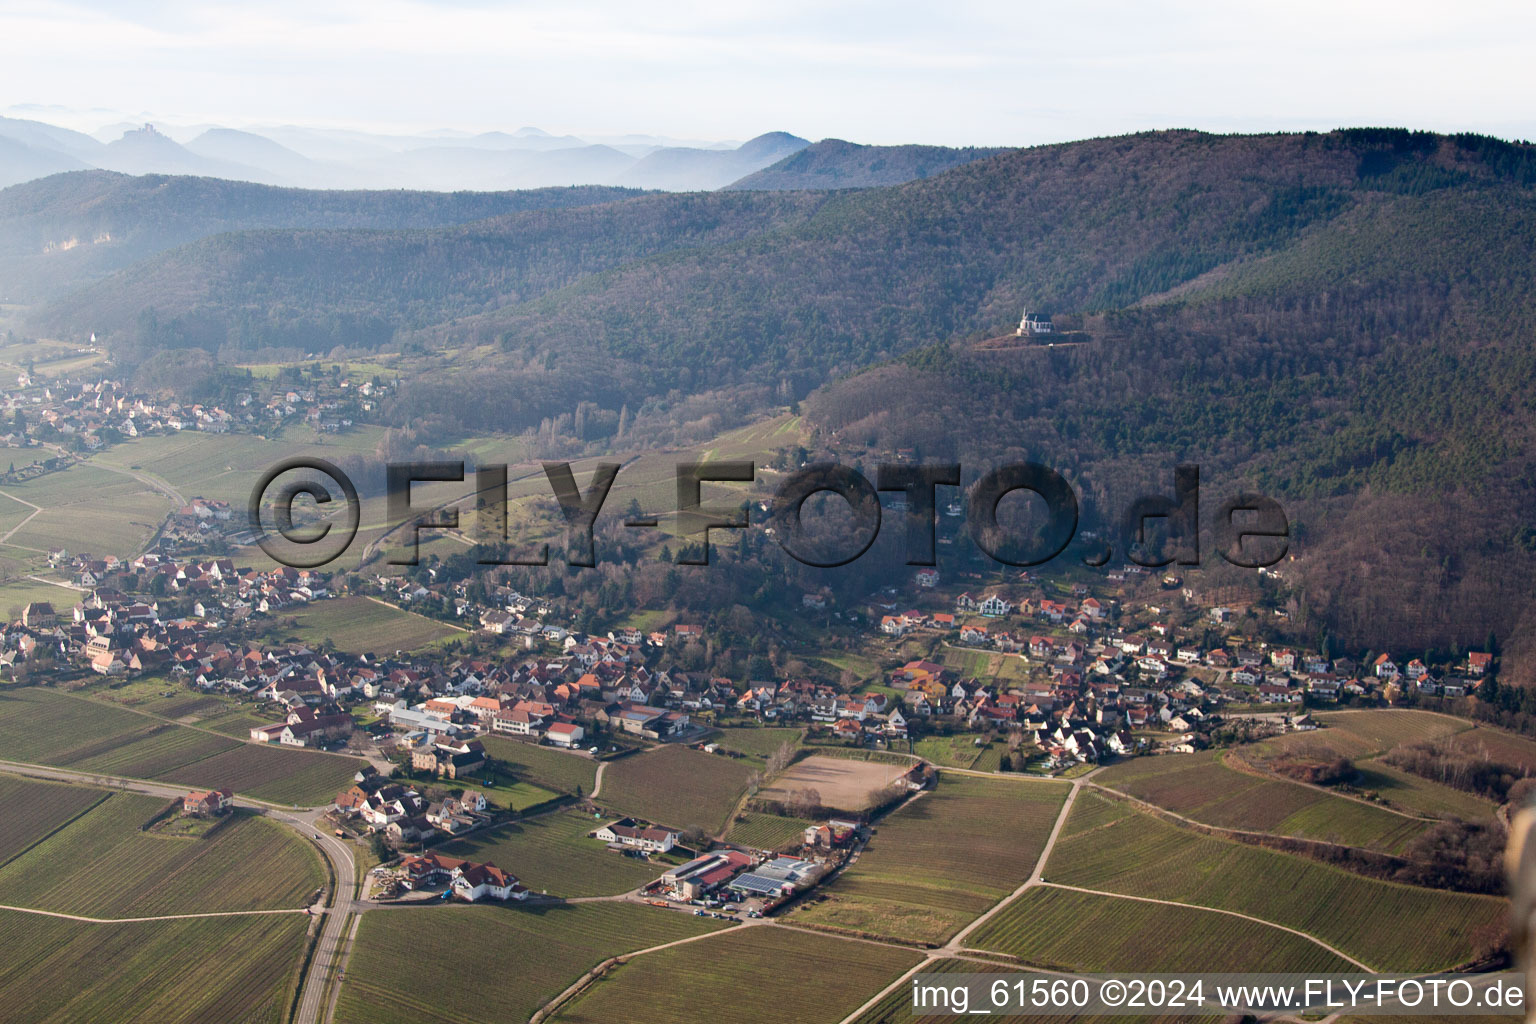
[
  {"x": 941, "y": 860},
  {"x": 1201, "y": 787},
  {"x": 759, "y": 975},
  {"x": 676, "y": 786},
  {"x": 1418, "y": 795},
  {"x": 762, "y": 742},
  {"x": 1065, "y": 930},
  {"x": 360, "y": 625},
  {"x": 1110, "y": 847},
  {"x": 558, "y": 770},
  {"x": 552, "y": 853},
  {"x": 450, "y": 965},
  {"x": 35, "y": 809},
  {"x": 227, "y": 466},
  {"x": 45, "y": 726},
  {"x": 17, "y": 594},
  {"x": 102, "y": 865},
  {"x": 166, "y": 972},
  {"x": 948, "y": 751},
  {"x": 767, "y": 831}
]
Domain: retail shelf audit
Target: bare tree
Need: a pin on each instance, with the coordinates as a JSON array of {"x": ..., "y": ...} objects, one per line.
[{"x": 781, "y": 758}]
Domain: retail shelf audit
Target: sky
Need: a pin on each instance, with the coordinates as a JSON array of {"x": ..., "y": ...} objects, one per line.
[{"x": 958, "y": 72}]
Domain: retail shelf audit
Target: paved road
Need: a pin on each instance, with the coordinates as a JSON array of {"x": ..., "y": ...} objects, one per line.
[
  {"x": 312, "y": 1001},
  {"x": 308, "y": 823}
]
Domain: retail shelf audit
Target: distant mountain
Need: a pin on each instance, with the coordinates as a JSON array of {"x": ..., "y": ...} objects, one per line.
[
  {"x": 48, "y": 137},
  {"x": 61, "y": 231},
  {"x": 146, "y": 151},
  {"x": 833, "y": 163},
  {"x": 333, "y": 158},
  {"x": 685, "y": 170},
  {"x": 277, "y": 164},
  {"x": 489, "y": 169},
  {"x": 20, "y": 162}
]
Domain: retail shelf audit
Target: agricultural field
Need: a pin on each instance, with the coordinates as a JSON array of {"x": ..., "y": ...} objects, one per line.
[
  {"x": 941, "y": 860},
  {"x": 17, "y": 594},
  {"x": 227, "y": 466},
  {"x": 949, "y": 751},
  {"x": 1065, "y": 930},
  {"x": 767, "y": 831},
  {"x": 428, "y": 965},
  {"x": 1111, "y": 847},
  {"x": 33, "y": 810},
  {"x": 360, "y": 625},
  {"x": 297, "y": 777},
  {"x": 1201, "y": 787},
  {"x": 712, "y": 982},
  {"x": 558, "y": 770},
  {"x": 102, "y": 865},
  {"x": 1418, "y": 795},
  {"x": 1497, "y": 745},
  {"x": 844, "y": 783},
  {"x": 551, "y": 853},
  {"x": 1363, "y": 736},
  {"x": 676, "y": 786},
  {"x": 48, "y": 727},
  {"x": 1360, "y": 735},
  {"x": 763, "y": 742},
  {"x": 49, "y": 969},
  {"x": 168, "y": 698}
]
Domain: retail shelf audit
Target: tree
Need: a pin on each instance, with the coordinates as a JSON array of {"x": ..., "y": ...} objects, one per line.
[{"x": 781, "y": 758}]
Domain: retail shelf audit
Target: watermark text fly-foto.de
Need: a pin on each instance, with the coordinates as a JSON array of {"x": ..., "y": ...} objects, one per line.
[{"x": 1250, "y": 530}]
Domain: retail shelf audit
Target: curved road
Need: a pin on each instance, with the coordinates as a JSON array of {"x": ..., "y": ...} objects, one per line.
[{"x": 306, "y": 822}]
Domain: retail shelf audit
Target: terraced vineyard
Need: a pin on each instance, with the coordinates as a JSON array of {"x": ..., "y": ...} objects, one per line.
[
  {"x": 102, "y": 865},
  {"x": 34, "y": 809},
  {"x": 552, "y": 852},
  {"x": 171, "y": 972},
  {"x": 676, "y": 786},
  {"x": 941, "y": 860},
  {"x": 1061, "y": 929},
  {"x": 1390, "y": 927},
  {"x": 429, "y": 965},
  {"x": 1201, "y": 787},
  {"x": 748, "y": 976},
  {"x": 544, "y": 766}
]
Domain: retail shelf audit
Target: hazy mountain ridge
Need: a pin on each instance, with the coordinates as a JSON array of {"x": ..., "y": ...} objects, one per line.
[
  {"x": 65, "y": 230},
  {"x": 834, "y": 163},
  {"x": 314, "y": 158}
]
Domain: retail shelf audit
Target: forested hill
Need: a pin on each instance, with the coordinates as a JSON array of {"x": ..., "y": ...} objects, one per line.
[
  {"x": 833, "y": 163},
  {"x": 60, "y": 231},
  {"x": 1344, "y": 320}
]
